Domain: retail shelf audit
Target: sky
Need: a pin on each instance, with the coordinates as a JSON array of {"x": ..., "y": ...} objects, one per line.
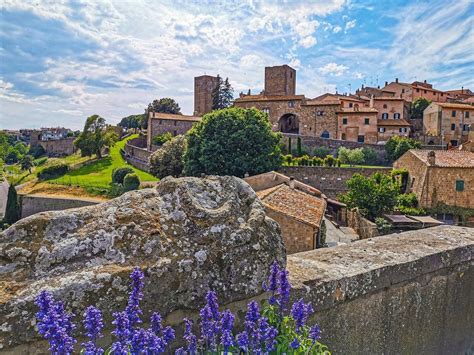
[{"x": 62, "y": 61}]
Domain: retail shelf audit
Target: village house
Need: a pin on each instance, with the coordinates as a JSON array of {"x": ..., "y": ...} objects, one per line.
[
  {"x": 357, "y": 124},
  {"x": 414, "y": 90},
  {"x": 447, "y": 123},
  {"x": 443, "y": 181},
  {"x": 459, "y": 95},
  {"x": 298, "y": 209}
]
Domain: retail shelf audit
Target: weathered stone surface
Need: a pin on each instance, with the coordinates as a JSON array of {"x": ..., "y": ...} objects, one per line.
[{"x": 189, "y": 235}]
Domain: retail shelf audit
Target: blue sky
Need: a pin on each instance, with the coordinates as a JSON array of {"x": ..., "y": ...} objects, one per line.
[{"x": 61, "y": 61}]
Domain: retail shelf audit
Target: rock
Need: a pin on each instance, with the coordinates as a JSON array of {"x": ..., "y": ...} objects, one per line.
[{"x": 189, "y": 235}]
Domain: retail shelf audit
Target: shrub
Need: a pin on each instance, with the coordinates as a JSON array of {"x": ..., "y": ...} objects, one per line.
[
  {"x": 12, "y": 210},
  {"x": 115, "y": 190},
  {"x": 318, "y": 161},
  {"x": 397, "y": 146},
  {"x": 305, "y": 160},
  {"x": 407, "y": 200},
  {"x": 288, "y": 159},
  {"x": 321, "y": 152},
  {"x": 276, "y": 328},
  {"x": 414, "y": 211},
  {"x": 131, "y": 181},
  {"x": 168, "y": 160},
  {"x": 370, "y": 156},
  {"x": 118, "y": 174},
  {"x": 338, "y": 162},
  {"x": 36, "y": 151},
  {"x": 162, "y": 138},
  {"x": 53, "y": 171},
  {"x": 350, "y": 156},
  {"x": 329, "y": 160},
  {"x": 41, "y": 161},
  {"x": 383, "y": 226}
]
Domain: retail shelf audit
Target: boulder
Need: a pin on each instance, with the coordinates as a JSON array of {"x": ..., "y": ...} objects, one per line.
[{"x": 189, "y": 235}]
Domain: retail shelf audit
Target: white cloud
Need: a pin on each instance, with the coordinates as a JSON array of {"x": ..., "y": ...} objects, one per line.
[
  {"x": 358, "y": 75},
  {"x": 307, "y": 42},
  {"x": 333, "y": 69},
  {"x": 350, "y": 24},
  {"x": 337, "y": 29},
  {"x": 251, "y": 61}
]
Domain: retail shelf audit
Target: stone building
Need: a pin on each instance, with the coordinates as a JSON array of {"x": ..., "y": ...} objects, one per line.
[
  {"x": 388, "y": 128},
  {"x": 416, "y": 89},
  {"x": 441, "y": 178},
  {"x": 60, "y": 145},
  {"x": 204, "y": 85},
  {"x": 280, "y": 80},
  {"x": 447, "y": 123},
  {"x": 160, "y": 123},
  {"x": 357, "y": 124},
  {"x": 459, "y": 95},
  {"x": 298, "y": 209}
]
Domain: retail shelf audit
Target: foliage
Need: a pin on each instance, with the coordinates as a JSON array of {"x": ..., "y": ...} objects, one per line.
[
  {"x": 329, "y": 160},
  {"x": 12, "y": 156},
  {"x": 222, "y": 95},
  {"x": 232, "y": 141},
  {"x": 26, "y": 162},
  {"x": 132, "y": 121},
  {"x": 95, "y": 136},
  {"x": 4, "y": 144},
  {"x": 407, "y": 200},
  {"x": 12, "y": 211},
  {"x": 21, "y": 148},
  {"x": 53, "y": 171},
  {"x": 288, "y": 159},
  {"x": 40, "y": 161},
  {"x": 318, "y": 161},
  {"x": 396, "y": 146},
  {"x": 162, "y": 138},
  {"x": 168, "y": 160},
  {"x": 463, "y": 212},
  {"x": 321, "y": 152},
  {"x": 372, "y": 195},
  {"x": 277, "y": 328},
  {"x": 413, "y": 211},
  {"x": 370, "y": 156},
  {"x": 299, "y": 151},
  {"x": 289, "y": 145},
  {"x": 115, "y": 190},
  {"x": 383, "y": 226},
  {"x": 164, "y": 105},
  {"x": 131, "y": 181},
  {"x": 36, "y": 151},
  {"x": 118, "y": 174},
  {"x": 418, "y": 106},
  {"x": 350, "y": 156}
]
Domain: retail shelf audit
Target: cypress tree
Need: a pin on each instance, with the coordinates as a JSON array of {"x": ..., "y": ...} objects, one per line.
[
  {"x": 289, "y": 145},
  {"x": 298, "y": 147},
  {"x": 12, "y": 212}
]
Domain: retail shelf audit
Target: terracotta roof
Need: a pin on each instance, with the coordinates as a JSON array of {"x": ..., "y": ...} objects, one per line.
[
  {"x": 446, "y": 158},
  {"x": 454, "y": 105},
  {"x": 383, "y": 98},
  {"x": 332, "y": 97},
  {"x": 460, "y": 91},
  {"x": 321, "y": 103},
  {"x": 253, "y": 98},
  {"x": 170, "y": 116},
  {"x": 469, "y": 100},
  {"x": 392, "y": 122},
  {"x": 295, "y": 203},
  {"x": 362, "y": 109}
]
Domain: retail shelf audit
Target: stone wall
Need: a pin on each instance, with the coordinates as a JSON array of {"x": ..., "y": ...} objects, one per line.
[
  {"x": 363, "y": 227},
  {"x": 58, "y": 147},
  {"x": 329, "y": 180},
  {"x": 31, "y": 204}
]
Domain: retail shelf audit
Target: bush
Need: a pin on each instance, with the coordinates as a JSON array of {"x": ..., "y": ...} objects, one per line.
[
  {"x": 318, "y": 161},
  {"x": 41, "y": 161},
  {"x": 397, "y": 146},
  {"x": 414, "y": 211},
  {"x": 36, "y": 151},
  {"x": 407, "y": 200},
  {"x": 383, "y": 226},
  {"x": 12, "y": 210},
  {"x": 329, "y": 160},
  {"x": 350, "y": 156},
  {"x": 305, "y": 160},
  {"x": 162, "y": 138},
  {"x": 321, "y": 152},
  {"x": 288, "y": 159},
  {"x": 118, "y": 174},
  {"x": 53, "y": 171},
  {"x": 115, "y": 190},
  {"x": 370, "y": 156},
  {"x": 131, "y": 181},
  {"x": 168, "y": 160}
]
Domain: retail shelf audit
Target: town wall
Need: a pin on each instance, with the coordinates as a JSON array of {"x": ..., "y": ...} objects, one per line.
[
  {"x": 58, "y": 147},
  {"x": 31, "y": 204}
]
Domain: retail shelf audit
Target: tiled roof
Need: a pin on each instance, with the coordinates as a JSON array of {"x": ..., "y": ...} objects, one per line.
[
  {"x": 170, "y": 116},
  {"x": 253, "y": 98},
  {"x": 454, "y": 105},
  {"x": 392, "y": 122},
  {"x": 332, "y": 97},
  {"x": 469, "y": 100},
  {"x": 362, "y": 109},
  {"x": 321, "y": 103},
  {"x": 447, "y": 158},
  {"x": 383, "y": 98},
  {"x": 295, "y": 203}
]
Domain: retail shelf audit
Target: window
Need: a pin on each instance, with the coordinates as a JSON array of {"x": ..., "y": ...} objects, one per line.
[
  {"x": 291, "y": 104},
  {"x": 366, "y": 121},
  {"x": 325, "y": 134},
  {"x": 453, "y": 113},
  {"x": 344, "y": 121},
  {"x": 319, "y": 113},
  {"x": 175, "y": 122},
  {"x": 396, "y": 116},
  {"x": 343, "y": 136},
  {"x": 424, "y": 91},
  {"x": 360, "y": 139},
  {"x": 417, "y": 90},
  {"x": 350, "y": 104},
  {"x": 266, "y": 110},
  {"x": 385, "y": 116},
  {"x": 441, "y": 94},
  {"x": 466, "y": 114},
  {"x": 454, "y": 143},
  {"x": 453, "y": 126},
  {"x": 403, "y": 130},
  {"x": 459, "y": 185},
  {"x": 160, "y": 121},
  {"x": 384, "y": 105},
  {"x": 382, "y": 129},
  {"x": 465, "y": 128},
  {"x": 403, "y": 91}
]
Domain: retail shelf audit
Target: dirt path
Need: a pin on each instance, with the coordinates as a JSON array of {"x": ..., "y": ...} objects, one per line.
[{"x": 53, "y": 190}]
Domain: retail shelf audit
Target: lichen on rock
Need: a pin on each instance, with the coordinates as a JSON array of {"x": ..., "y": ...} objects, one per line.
[{"x": 189, "y": 235}]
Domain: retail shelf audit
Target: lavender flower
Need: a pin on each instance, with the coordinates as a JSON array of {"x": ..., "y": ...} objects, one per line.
[
  {"x": 295, "y": 344},
  {"x": 273, "y": 282},
  {"x": 140, "y": 341},
  {"x": 227, "y": 340},
  {"x": 54, "y": 324},
  {"x": 136, "y": 295},
  {"x": 315, "y": 333},
  {"x": 266, "y": 334},
  {"x": 168, "y": 335},
  {"x": 190, "y": 338},
  {"x": 122, "y": 332},
  {"x": 284, "y": 290},
  {"x": 180, "y": 351},
  {"x": 227, "y": 321},
  {"x": 210, "y": 321},
  {"x": 300, "y": 313},
  {"x": 253, "y": 312},
  {"x": 156, "y": 323},
  {"x": 211, "y": 299},
  {"x": 243, "y": 341},
  {"x": 93, "y": 325}
]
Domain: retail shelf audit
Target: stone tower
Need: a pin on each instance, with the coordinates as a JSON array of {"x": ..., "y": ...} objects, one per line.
[
  {"x": 280, "y": 80},
  {"x": 203, "y": 87}
]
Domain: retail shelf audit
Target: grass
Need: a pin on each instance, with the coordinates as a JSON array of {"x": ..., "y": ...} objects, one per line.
[{"x": 98, "y": 174}]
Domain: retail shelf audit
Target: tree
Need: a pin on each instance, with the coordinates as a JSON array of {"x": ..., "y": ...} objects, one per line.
[
  {"x": 372, "y": 195},
  {"x": 168, "y": 160},
  {"x": 222, "y": 95},
  {"x": 418, "y": 106},
  {"x": 396, "y": 146},
  {"x": 370, "y": 156},
  {"x": 164, "y": 105},
  {"x": 233, "y": 141},
  {"x": 12, "y": 211},
  {"x": 26, "y": 162},
  {"x": 132, "y": 121},
  {"x": 95, "y": 136}
]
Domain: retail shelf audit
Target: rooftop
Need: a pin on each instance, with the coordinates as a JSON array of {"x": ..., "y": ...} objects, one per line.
[
  {"x": 174, "y": 117},
  {"x": 392, "y": 122},
  {"x": 446, "y": 158},
  {"x": 454, "y": 105},
  {"x": 361, "y": 109},
  {"x": 261, "y": 97},
  {"x": 295, "y": 203}
]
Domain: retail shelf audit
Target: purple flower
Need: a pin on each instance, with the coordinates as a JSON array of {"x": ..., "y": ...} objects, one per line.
[
  {"x": 156, "y": 323},
  {"x": 211, "y": 299},
  {"x": 227, "y": 340},
  {"x": 284, "y": 290},
  {"x": 243, "y": 341},
  {"x": 133, "y": 307},
  {"x": 300, "y": 313},
  {"x": 295, "y": 344},
  {"x": 168, "y": 334},
  {"x": 227, "y": 321},
  {"x": 266, "y": 334},
  {"x": 54, "y": 324},
  {"x": 273, "y": 282},
  {"x": 122, "y": 332},
  {"x": 253, "y": 312},
  {"x": 190, "y": 338},
  {"x": 140, "y": 341},
  {"x": 93, "y": 325},
  {"x": 315, "y": 333},
  {"x": 179, "y": 351},
  {"x": 210, "y": 321}
]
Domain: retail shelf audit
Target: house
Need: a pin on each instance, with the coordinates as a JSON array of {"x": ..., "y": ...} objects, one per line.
[
  {"x": 298, "y": 209},
  {"x": 443, "y": 182},
  {"x": 357, "y": 124},
  {"x": 447, "y": 123},
  {"x": 460, "y": 95},
  {"x": 414, "y": 90}
]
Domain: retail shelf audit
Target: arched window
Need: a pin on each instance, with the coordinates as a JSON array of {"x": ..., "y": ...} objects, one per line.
[
  {"x": 396, "y": 116},
  {"x": 325, "y": 134},
  {"x": 384, "y": 105},
  {"x": 385, "y": 116}
]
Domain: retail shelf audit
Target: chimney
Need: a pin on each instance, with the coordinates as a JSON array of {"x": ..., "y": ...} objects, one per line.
[
  {"x": 362, "y": 86},
  {"x": 386, "y": 83},
  {"x": 292, "y": 182},
  {"x": 424, "y": 81},
  {"x": 378, "y": 86},
  {"x": 462, "y": 89},
  {"x": 431, "y": 158},
  {"x": 396, "y": 80},
  {"x": 371, "y": 104}
]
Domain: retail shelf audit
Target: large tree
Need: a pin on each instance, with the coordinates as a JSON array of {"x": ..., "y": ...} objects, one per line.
[
  {"x": 95, "y": 136},
  {"x": 232, "y": 141},
  {"x": 164, "y": 105},
  {"x": 26, "y": 162},
  {"x": 418, "y": 106},
  {"x": 132, "y": 121},
  {"x": 396, "y": 146},
  {"x": 223, "y": 94},
  {"x": 168, "y": 160}
]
